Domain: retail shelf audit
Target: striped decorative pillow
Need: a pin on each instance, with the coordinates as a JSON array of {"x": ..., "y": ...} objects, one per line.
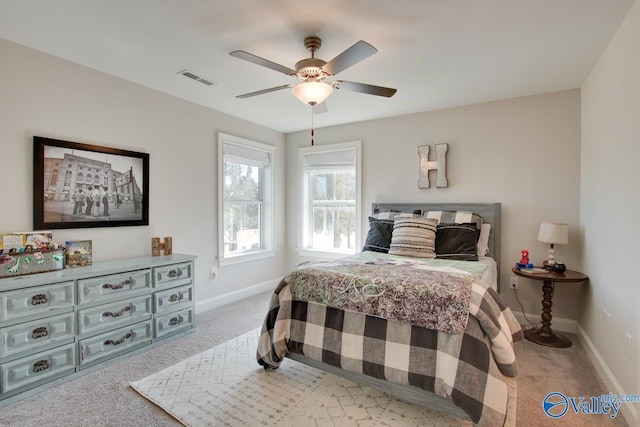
[{"x": 415, "y": 237}]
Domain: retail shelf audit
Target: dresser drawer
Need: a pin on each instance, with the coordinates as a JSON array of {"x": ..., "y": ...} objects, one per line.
[
  {"x": 104, "y": 288},
  {"x": 36, "y": 301},
  {"x": 33, "y": 336},
  {"x": 172, "y": 275},
  {"x": 38, "y": 368},
  {"x": 173, "y": 323},
  {"x": 114, "y": 314},
  {"x": 113, "y": 343},
  {"x": 173, "y": 299}
]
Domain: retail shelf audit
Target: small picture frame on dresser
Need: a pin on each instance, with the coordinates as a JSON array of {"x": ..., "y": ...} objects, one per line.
[{"x": 79, "y": 253}]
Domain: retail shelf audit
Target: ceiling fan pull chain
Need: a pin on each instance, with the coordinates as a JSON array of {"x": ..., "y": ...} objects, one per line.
[{"x": 312, "y": 125}]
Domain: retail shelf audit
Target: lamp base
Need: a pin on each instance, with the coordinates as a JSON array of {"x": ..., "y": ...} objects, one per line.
[{"x": 551, "y": 258}]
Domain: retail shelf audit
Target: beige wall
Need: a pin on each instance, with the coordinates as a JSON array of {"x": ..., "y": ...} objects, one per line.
[
  {"x": 522, "y": 152},
  {"x": 610, "y": 202},
  {"x": 47, "y": 96}
]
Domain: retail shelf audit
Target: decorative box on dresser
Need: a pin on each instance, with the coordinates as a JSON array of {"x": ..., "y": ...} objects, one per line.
[{"x": 57, "y": 325}]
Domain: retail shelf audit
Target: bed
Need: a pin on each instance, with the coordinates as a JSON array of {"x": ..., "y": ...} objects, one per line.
[{"x": 430, "y": 331}]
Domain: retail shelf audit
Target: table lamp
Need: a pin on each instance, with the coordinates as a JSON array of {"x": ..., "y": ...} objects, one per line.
[{"x": 554, "y": 233}]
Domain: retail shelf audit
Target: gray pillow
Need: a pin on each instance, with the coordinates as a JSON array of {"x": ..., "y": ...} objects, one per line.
[
  {"x": 379, "y": 235},
  {"x": 457, "y": 241}
]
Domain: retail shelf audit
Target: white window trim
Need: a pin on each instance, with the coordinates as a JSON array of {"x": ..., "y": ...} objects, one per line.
[
  {"x": 267, "y": 228},
  {"x": 245, "y": 257},
  {"x": 303, "y": 205}
]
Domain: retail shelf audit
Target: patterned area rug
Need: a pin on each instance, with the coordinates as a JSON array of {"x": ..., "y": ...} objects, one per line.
[{"x": 225, "y": 386}]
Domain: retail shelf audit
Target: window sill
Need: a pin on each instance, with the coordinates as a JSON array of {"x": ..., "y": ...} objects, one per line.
[
  {"x": 246, "y": 257},
  {"x": 319, "y": 253}
]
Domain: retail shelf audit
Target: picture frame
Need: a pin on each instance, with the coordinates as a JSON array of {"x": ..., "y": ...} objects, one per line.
[
  {"x": 79, "y": 185},
  {"x": 78, "y": 253}
]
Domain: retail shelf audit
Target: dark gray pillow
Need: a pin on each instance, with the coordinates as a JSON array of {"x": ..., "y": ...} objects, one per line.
[
  {"x": 457, "y": 241},
  {"x": 379, "y": 236},
  {"x": 456, "y": 217}
]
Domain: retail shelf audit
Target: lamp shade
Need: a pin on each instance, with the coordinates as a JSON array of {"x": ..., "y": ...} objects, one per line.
[
  {"x": 312, "y": 92},
  {"x": 555, "y": 233}
]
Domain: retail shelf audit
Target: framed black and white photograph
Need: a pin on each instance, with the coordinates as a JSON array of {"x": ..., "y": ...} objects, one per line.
[{"x": 80, "y": 185}]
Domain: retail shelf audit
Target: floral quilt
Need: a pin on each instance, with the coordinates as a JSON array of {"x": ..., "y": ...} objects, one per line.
[{"x": 422, "y": 294}]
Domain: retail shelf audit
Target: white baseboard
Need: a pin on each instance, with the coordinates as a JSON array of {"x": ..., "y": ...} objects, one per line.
[
  {"x": 557, "y": 323},
  {"x": 629, "y": 411},
  {"x": 228, "y": 298}
]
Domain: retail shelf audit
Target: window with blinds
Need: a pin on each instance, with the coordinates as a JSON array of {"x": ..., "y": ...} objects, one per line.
[
  {"x": 330, "y": 198},
  {"x": 246, "y": 194}
]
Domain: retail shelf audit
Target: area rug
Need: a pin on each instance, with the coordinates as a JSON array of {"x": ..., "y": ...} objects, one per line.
[{"x": 224, "y": 386}]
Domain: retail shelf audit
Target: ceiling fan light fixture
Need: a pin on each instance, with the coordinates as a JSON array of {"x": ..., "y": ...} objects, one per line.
[{"x": 312, "y": 93}]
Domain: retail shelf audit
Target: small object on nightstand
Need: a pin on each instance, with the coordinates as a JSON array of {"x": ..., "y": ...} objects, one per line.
[
  {"x": 559, "y": 267},
  {"x": 534, "y": 270},
  {"x": 524, "y": 260}
]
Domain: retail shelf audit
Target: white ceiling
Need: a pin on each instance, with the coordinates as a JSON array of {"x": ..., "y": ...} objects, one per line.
[{"x": 437, "y": 53}]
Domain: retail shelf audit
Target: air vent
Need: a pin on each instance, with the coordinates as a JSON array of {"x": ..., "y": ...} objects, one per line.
[{"x": 196, "y": 77}]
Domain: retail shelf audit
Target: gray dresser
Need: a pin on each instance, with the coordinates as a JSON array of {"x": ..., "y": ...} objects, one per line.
[{"x": 56, "y": 325}]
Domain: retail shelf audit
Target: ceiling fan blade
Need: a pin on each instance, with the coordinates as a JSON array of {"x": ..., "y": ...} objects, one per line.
[
  {"x": 356, "y": 53},
  {"x": 320, "y": 108},
  {"x": 365, "y": 88},
  {"x": 261, "y": 61},
  {"x": 260, "y": 92}
]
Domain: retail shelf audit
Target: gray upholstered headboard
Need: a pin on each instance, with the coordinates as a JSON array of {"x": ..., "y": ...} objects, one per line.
[{"x": 490, "y": 212}]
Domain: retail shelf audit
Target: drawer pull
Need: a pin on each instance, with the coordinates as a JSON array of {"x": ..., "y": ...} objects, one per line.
[
  {"x": 175, "y": 321},
  {"x": 118, "y": 286},
  {"x": 174, "y": 273},
  {"x": 39, "y": 299},
  {"x": 41, "y": 365},
  {"x": 175, "y": 298},
  {"x": 118, "y": 313},
  {"x": 41, "y": 332},
  {"x": 120, "y": 341}
]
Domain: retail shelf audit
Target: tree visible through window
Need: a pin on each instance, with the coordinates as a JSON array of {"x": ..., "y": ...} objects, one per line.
[
  {"x": 330, "y": 197},
  {"x": 246, "y": 198},
  {"x": 334, "y": 210},
  {"x": 242, "y": 206}
]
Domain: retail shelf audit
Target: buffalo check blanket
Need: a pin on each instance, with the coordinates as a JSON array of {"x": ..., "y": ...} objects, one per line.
[{"x": 469, "y": 368}]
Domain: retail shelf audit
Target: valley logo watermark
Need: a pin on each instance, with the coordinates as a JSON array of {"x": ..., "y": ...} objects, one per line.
[{"x": 556, "y": 404}]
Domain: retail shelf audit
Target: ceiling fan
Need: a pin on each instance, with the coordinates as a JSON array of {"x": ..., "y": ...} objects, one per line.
[{"x": 313, "y": 72}]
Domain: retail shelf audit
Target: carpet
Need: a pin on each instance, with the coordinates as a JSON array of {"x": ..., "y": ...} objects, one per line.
[{"x": 225, "y": 386}]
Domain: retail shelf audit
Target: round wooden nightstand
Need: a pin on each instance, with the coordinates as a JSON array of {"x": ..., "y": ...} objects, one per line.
[{"x": 544, "y": 335}]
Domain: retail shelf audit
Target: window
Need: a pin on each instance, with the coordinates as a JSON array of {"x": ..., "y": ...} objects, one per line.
[
  {"x": 53, "y": 179},
  {"x": 245, "y": 196},
  {"x": 330, "y": 197},
  {"x": 67, "y": 178}
]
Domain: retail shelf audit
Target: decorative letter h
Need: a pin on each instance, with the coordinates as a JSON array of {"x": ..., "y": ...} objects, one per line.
[{"x": 440, "y": 165}]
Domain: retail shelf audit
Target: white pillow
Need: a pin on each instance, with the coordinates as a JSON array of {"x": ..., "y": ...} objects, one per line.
[{"x": 483, "y": 240}]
